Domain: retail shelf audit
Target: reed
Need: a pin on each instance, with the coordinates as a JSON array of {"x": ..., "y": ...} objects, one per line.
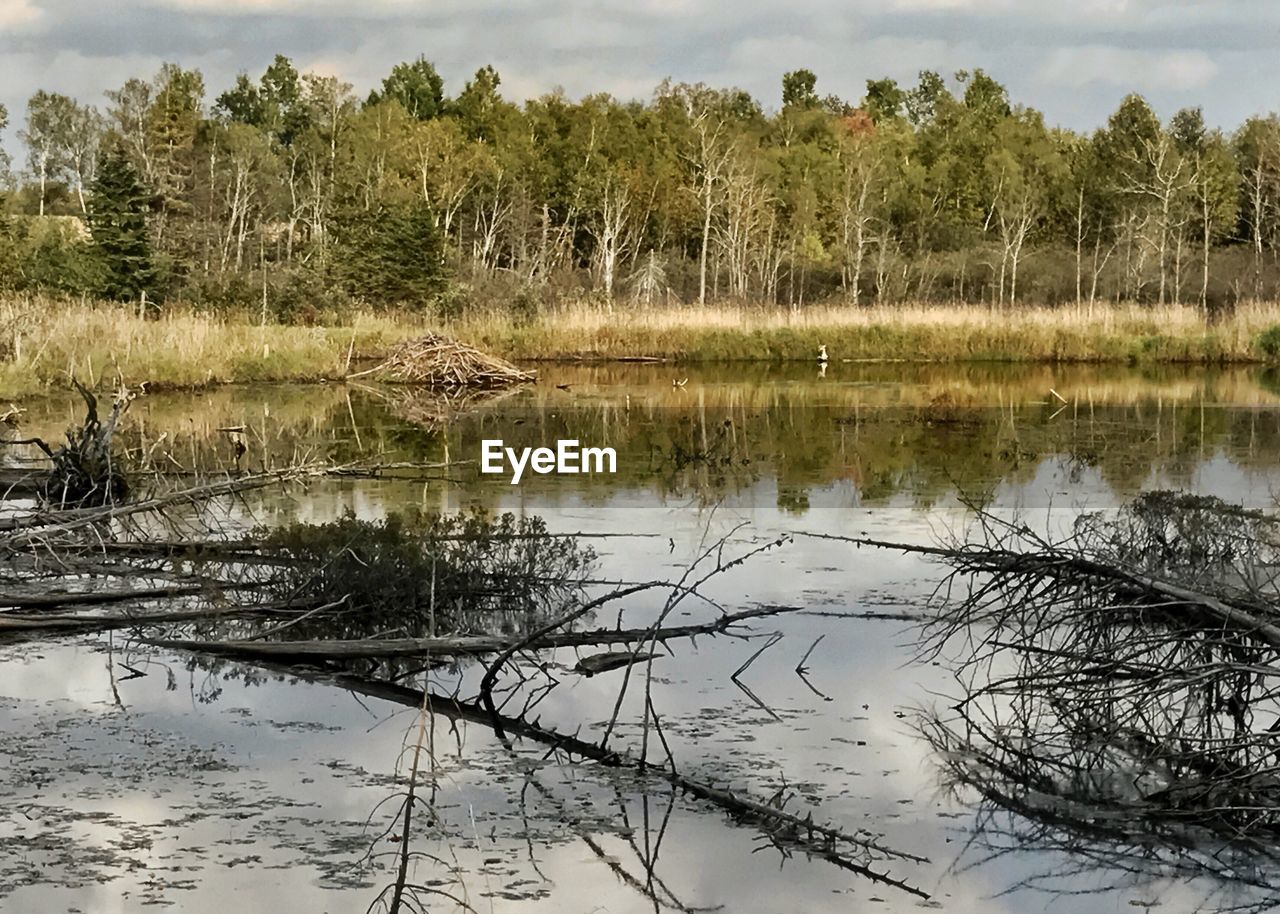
[
  {"x": 949, "y": 333},
  {"x": 43, "y": 342}
]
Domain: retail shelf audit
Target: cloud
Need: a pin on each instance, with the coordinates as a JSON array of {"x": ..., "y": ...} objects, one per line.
[
  {"x": 14, "y": 13},
  {"x": 1078, "y": 67},
  {"x": 1073, "y": 62}
]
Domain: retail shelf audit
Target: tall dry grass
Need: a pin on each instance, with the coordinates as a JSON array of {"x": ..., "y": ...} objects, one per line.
[
  {"x": 1102, "y": 333},
  {"x": 44, "y": 341}
]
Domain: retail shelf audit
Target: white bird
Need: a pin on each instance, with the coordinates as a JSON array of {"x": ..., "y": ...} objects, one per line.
[{"x": 822, "y": 355}]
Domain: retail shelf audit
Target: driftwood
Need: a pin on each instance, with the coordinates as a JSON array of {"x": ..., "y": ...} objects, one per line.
[
  {"x": 79, "y": 622},
  {"x": 85, "y": 471},
  {"x": 594, "y": 664},
  {"x": 27, "y": 527},
  {"x": 1248, "y": 616}
]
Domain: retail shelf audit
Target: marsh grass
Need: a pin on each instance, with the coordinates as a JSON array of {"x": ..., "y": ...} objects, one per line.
[
  {"x": 44, "y": 341},
  {"x": 1103, "y": 333}
]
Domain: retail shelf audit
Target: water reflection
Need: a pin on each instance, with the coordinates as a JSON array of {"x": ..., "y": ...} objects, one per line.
[
  {"x": 289, "y": 771},
  {"x": 1118, "y": 712}
]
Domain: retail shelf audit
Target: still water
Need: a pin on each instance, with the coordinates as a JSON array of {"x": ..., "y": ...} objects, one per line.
[{"x": 136, "y": 779}]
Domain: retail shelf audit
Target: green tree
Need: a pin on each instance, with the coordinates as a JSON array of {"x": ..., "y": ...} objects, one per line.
[
  {"x": 118, "y": 227},
  {"x": 884, "y": 100},
  {"x": 4, "y": 156},
  {"x": 390, "y": 254},
  {"x": 798, "y": 89},
  {"x": 46, "y": 115},
  {"x": 416, "y": 86},
  {"x": 1257, "y": 152},
  {"x": 479, "y": 106}
]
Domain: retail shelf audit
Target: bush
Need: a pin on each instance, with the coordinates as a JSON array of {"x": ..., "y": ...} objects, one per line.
[{"x": 1269, "y": 341}]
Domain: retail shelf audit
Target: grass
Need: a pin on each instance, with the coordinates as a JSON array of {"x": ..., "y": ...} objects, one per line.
[
  {"x": 43, "y": 341},
  {"x": 948, "y": 333}
]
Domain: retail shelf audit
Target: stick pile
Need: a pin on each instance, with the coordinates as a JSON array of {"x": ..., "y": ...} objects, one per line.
[{"x": 441, "y": 363}]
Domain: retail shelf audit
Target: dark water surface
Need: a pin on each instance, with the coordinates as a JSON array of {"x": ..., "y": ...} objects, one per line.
[{"x": 214, "y": 787}]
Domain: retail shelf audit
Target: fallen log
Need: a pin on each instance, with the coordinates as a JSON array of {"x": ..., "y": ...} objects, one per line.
[
  {"x": 1242, "y": 616},
  {"x": 26, "y": 527},
  {"x": 802, "y": 832},
  {"x": 454, "y": 645},
  {"x": 82, "y": 622}
]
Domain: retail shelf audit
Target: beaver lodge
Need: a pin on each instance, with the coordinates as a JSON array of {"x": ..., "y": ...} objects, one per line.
[{"x": 440, "y": 363}]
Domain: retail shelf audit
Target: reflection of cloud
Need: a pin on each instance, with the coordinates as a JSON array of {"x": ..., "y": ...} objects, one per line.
[{"x": 1076, "y": 67}]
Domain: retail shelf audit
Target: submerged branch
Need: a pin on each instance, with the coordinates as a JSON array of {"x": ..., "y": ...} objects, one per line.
[{"x": 456, "y": 645}]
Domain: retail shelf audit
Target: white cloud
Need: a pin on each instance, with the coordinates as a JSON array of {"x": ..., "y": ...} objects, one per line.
[
  {"x": 14, "y": 13},
  {"x": 319, "y": 9},
  {"x": 1081, "y": 66},
  {"x": 976, "y": 6}
]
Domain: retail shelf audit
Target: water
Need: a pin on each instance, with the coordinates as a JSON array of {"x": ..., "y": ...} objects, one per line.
[{"x": 133, "y": 777}]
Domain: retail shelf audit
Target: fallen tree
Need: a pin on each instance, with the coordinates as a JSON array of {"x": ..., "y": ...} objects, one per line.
[{"x": 1118, "y": 691}]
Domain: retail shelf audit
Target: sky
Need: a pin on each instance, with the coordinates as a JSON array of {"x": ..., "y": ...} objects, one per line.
[{"x": 1072, "y": 59}]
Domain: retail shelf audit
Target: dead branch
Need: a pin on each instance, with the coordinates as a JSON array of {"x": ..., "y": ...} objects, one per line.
[{"x": 458, "y": 645}]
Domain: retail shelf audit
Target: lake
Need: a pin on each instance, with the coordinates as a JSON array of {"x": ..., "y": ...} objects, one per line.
[{"x": 134, "y": 777}]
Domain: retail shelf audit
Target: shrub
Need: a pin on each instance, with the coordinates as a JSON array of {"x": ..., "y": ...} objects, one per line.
[{"x": 1269, "y": 341}]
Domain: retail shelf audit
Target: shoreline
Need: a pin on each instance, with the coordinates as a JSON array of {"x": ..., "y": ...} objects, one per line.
[{"x": 43, "y": 342}]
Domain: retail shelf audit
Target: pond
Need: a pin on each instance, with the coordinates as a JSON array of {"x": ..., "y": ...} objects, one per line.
[{"x": 135, "y": 777}]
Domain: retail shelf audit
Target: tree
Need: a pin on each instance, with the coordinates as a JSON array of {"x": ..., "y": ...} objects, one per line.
[
  {"x": 1257, "y": 151},
  {"x": 391, "y": 254},
  {"x": 118, "y": 227},
  {"x": 4, "y": 156},
  {"x": 243, "y": 170},
  {"x": 798, "y": 89},
  {"x": 884, "y": 100},
  {"x": 863, "y": 171},
  {"x": 83, "y": 135},
  {"x": 1216, "y": 179},
  {"x": 416, "y": 86},
  {"x": 479, "y": 106},
  {"x": 708, "y": 151},
  {"x": 923, "y": 101},
  {"x": 1129, "y": 149},
  {"x": 1022, "y": 172},
  {"x": 62, "y": 139},
  {"x": 46, "y": 120}
]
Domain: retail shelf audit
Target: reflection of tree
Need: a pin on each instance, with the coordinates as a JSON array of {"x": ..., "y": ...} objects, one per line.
[
  {"x": 925, "y": 451},
  {"x": 941, "y": 427},
  {"x": 1121, "y": 697},
  {"x": 407, "y": 576}
]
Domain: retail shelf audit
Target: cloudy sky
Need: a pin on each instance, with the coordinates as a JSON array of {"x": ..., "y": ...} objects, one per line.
[{"x": 1074, "y": 60}]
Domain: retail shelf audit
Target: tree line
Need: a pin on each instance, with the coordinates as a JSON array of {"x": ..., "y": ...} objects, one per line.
[{"x": 291, "y": 192}]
